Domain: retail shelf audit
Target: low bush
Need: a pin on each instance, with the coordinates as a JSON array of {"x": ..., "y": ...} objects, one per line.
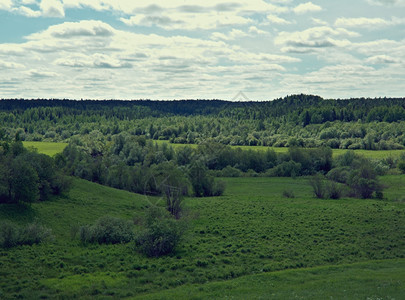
[
  {"x": 317, "y": 183},
  {"x": 335, "y": 191},
  {"x": 401, "y": 166},
  {"x": 339, "y": 174},
  {"x": 161, "y": 234},
  {"x": 288, "y": 194},
  {"x": 107, "y": 230},
  {"x": 12, "y": 235}
]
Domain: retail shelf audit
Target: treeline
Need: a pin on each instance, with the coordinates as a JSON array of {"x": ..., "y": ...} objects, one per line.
[
  {"x": 139, "y": 165},
  {"x": 297, "y": 120},
  {"x": 27, "y": 176}
]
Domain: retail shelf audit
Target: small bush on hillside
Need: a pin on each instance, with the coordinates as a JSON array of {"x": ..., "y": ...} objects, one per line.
[
  {"x": 107, "y": 230},
  {"x": 288, "y": 194},
  {"x": 401, "y": 166},
  {"x": 285, "y": 169},
  {"x": 317, "y": 183},
  {"x": 229, "y": 171},
  {"x": 339, "y": 174},
  {"x": 161, "y": 235},
  {"x": 334, "y": 190},
  {"x": 12, "y": 235}
]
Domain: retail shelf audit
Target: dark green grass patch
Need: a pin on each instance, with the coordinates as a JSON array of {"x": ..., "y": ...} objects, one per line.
[{"x": 369, "y": 280}]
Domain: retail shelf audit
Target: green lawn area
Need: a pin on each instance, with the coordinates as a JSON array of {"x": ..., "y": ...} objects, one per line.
[
  {"x": 48, "y": 148},
  {"x": 51, "y": 149},
  {"x": 374, "y": 154},
  {"x": 249, "y": 243}
]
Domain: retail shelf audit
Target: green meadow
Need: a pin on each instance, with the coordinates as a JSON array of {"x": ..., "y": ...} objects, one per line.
[
  {"x": 48, "y": 148},
  {"x": 249, "y": 243},
  {"x": 373, "y": 154},
  {"x": 51, "y": 148}
]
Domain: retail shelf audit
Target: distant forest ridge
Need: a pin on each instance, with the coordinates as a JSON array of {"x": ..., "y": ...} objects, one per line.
[
  {"x": 374, "y": 109},
  {"x": 295, "y": 120}
]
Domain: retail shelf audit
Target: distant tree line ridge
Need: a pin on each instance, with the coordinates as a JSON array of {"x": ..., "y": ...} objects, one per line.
[{"x": 296, "y": 120}]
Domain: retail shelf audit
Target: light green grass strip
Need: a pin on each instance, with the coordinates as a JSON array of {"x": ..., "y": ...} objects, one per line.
[{"x": 48, "y": 148}]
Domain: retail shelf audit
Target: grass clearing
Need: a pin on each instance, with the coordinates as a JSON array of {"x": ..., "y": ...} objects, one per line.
[
  {"x": 250, "y": 233},
  {"x": 373, "y": 154},
  {"x": 48, "y": 148}
]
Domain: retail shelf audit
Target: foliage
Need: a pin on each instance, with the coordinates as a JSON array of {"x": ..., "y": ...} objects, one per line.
[
  {"x": 317, "y": 183},
  {"x": 363, "y": 180},
  {"x": 401, "y": 166},
  {"x": 173, "y": 184},
  {"x": 28, "y": 176},
  {"x": 161, "y": 234},
  {"x": 107, "y": 230},
  {"x": 12, "y": 235}
]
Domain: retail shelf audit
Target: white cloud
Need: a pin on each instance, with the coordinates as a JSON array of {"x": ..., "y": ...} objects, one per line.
[
  {"x": 319, "y": 22},
  {"x": 187, "y": 21},
  {"x": 361, "y": 22},
  {"x": 313, "y": 38},
  {"x": 273, "y": 19},
  {"x": 233, "y": 35},
  {"x": 255, "y": 30},
  {"x": 26, "y": 11},
  {"x": 10, "y": 65},
  {"x": 34, "y": 73},
  {"x": 86, "y": 28},
  {"x": 52, "y": 8},
  {"x": 382, "y": 59},
  {"x": 387, "y": 2},
  {"x": 5, "y": 4},
  {"x": 306, "y": 7}
]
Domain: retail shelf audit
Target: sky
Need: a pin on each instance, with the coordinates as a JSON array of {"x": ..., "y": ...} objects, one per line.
[{"x": 183, "y": 49}]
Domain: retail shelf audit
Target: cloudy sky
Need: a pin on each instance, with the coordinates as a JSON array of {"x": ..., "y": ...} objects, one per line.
[{"x": 186, "y": 49}]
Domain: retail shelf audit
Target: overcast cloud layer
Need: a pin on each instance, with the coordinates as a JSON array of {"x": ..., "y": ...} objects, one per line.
[{"x": 177, "y": 49}]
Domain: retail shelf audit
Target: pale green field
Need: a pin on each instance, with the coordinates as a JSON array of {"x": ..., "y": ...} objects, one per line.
[
  {"x": 51, "y": 149},
  {"x": 374, "y": 154},
  {"x": 48, "y": 148}
]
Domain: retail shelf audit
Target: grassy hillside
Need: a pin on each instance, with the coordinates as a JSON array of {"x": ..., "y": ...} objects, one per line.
[
  {"x": 48, "y": 148},
  {"x": 248, "y": 235}
]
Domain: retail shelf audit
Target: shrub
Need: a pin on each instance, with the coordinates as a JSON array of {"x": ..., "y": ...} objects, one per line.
[
  {"x": 229, "y": 171},
  {"x": 161, "y": 235},
  {"x": 339, "y": 174},
  {"x": 107, "y": 230},
  {"x": 12, "y": 235},
  {"x": 334, "y": 190},
  {"x": 401, "y": 166},
  {"x": 363, "y": 180},
  {"x": 9, "y": 235},
  {"x": 317, "y": 183},
  {"x": 288, "y": 194},
  {"x": 285, "y": 169}
]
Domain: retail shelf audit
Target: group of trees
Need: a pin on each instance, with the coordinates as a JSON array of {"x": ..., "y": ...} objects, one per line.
[
  {"x": 352, "y": 175},
  {"x": 138, "y": 165},
  {"x": 27, "y": 176}
]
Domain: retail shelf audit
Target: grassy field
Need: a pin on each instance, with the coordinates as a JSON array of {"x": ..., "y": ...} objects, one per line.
[
  {"x": 251, "y": 242},
  {"x": 374, "y": 154},
  {"x": 47, "y": 148},
  {"x": 51, "y": 149}
]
